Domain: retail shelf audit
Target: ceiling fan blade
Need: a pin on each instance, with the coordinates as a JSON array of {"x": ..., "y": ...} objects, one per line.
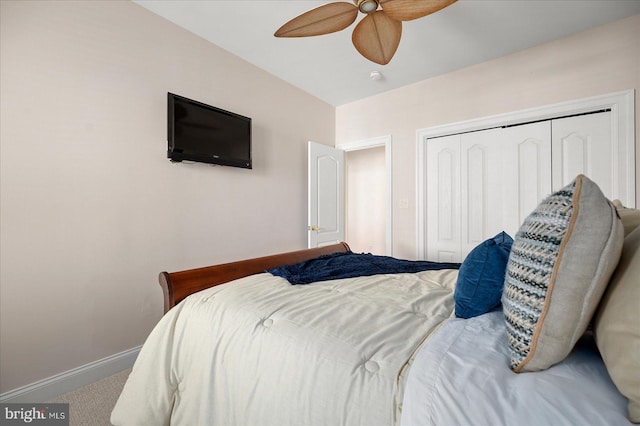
[
  {"x": 406, "y": 10},
  {"x": 325, "y": 19},
  {"x": 377, "y": 37}
]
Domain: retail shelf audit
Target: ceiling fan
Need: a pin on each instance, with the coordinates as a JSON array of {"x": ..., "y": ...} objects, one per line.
[{"x": 376, "y": 36}]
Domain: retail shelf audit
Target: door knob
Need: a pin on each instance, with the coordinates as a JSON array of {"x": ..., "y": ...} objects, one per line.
[{"x": 313, "y": 228}]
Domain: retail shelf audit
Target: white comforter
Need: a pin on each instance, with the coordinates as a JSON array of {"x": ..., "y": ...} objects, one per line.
[
  {"x": 259, "y": 351},
  {"x": 462, "y": 377}
]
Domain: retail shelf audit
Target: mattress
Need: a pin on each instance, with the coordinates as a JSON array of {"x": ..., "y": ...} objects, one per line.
[{"x": 259, "y": 351}]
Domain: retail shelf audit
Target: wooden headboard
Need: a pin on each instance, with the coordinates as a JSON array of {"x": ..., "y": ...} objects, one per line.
[{"x": 178, "y": 285}]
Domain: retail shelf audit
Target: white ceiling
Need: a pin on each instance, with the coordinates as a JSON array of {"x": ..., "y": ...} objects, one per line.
[{"x": 465, "y": 33}]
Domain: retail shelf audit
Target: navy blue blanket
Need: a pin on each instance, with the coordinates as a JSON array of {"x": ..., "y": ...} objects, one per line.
[{"x": 349, "y": 265}]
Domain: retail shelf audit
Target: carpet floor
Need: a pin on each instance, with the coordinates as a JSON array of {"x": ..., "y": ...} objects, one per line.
[{"x": 91, "y": 405}]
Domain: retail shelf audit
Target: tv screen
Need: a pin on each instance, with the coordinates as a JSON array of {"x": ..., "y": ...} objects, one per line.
[{"x": 206, "y": 134}]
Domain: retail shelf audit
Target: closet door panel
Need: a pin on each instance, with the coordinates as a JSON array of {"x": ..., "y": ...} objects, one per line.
[
  {"x": 527, "y": 171},
  {"x": 480, "y": 189},
  {"x": 443, "y": 199},
  {"x": 583, "y": 145}
]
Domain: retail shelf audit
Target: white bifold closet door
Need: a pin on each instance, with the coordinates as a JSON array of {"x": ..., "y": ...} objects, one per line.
[
  {"x": 482, "y": 183},
  {"x": 527, "y": 172},
  {"x": 583, "y": 144},
  {"x": 443, "y": 199}
]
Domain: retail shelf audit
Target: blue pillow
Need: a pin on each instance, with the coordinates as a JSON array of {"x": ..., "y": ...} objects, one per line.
[{"x": 481, "y": 277}]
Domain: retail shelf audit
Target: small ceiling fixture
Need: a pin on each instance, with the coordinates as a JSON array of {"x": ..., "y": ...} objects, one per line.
[
  {"x": 375, "y": 75},
  {"x": 376, "y": 36}
]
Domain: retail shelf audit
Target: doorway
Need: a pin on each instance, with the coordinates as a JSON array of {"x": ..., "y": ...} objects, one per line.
[
  {"x": 368, "y": 195},
  {"x": 365, "y": 221}
]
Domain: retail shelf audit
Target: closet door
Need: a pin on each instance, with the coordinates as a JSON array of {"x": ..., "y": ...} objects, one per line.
[
  {"x": 479, "y": 183},
  {"x": 526, "y": 166},
  {"x": 505, "y": 173},
  {"x": 484, "y": 182},
  {"x": 583, "y": 144},
  {"x": 481, "y": 202},
  {"x": 443, "y": 199}
]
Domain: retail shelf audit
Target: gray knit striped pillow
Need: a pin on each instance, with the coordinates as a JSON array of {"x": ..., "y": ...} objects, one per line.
[{"x": 560, "y": 263}]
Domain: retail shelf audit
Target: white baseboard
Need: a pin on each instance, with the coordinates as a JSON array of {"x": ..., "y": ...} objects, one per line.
[{"x": 54, "y": 386}]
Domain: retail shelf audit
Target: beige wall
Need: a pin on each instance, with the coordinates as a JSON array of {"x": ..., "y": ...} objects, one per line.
[
  {"x": 92, "y": 210},
  {"x": 603, "y": 60}
]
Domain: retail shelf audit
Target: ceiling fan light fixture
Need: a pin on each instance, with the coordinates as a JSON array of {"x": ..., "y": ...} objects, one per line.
[
  {"x": 376, "y": 36},
  {"x": 368, "y": 6}
]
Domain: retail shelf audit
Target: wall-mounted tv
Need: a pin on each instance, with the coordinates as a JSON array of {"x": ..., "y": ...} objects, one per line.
[{"x": 206, "y": 134}]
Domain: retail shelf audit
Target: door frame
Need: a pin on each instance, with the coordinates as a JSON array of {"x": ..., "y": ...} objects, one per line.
[
  {"x": 622, "y": 109},
  {"x": 384, "y": 141}
]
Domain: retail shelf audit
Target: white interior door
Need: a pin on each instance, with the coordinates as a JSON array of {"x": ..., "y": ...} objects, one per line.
[{"x": 326, "y": 195}]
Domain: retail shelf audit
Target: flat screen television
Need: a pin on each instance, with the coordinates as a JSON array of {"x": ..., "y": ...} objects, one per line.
[{"x": 206, "y": 134}]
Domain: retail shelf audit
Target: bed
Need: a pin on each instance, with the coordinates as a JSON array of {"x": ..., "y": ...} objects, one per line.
[{"x": 256, "y": 342}]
